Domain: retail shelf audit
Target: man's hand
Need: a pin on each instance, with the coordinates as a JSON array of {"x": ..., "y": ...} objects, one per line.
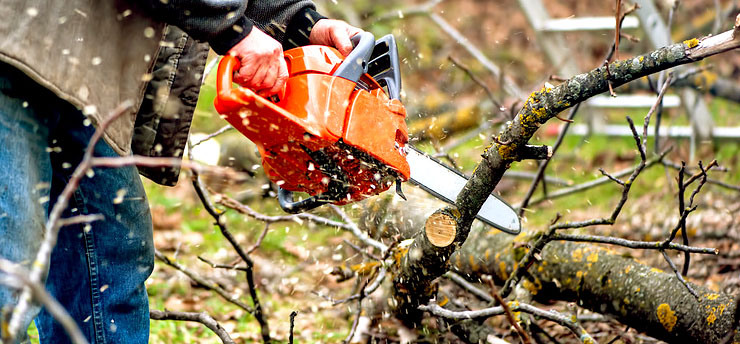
[
  {"x": 334, "y": 33},
  {"x": 263, "y": 66}
]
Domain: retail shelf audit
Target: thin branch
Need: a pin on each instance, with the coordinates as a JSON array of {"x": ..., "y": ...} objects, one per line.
[
  {"x": 202, "y": 281},
  {"x": 507, "y": 311},
  {"x": 543, "y": 165},
  {"x": 478, "y": 81},
  {"x": 79, "y": 219},
  {"x": 485, "y": 313},
  {"x": 138, "y": 160},
  {"x": 201, "y": 317},
  {"x": 641, "y": 245},
  {"x": 249, "y": 272},
  {"x": 527, "y": 261},
  {"x": 39, "y": 293},
  {"x": 626, "y": 186},
  {"x": 293, "y": 314},
  {"x": 678, "y": 274},
  {"x": 259, "y": 239},
  {"x": 51, "y": 230},
  {"x": 354, "y": 229},
  {"x": 223, "y": 129},
  {"x": 229, "y": 202},
  {"x": 359, "y": 312},
  {"x": 596, "y": 182},
  {"x": 221, "y": 266},
  {"x": 462, "y": 282}
]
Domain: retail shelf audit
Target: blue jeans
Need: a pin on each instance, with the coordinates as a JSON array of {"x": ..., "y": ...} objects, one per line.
[{"x": 97, "y": 270}]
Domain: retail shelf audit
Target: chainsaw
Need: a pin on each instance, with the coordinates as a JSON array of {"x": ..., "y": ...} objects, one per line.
[{"x": 337, "y": 130}]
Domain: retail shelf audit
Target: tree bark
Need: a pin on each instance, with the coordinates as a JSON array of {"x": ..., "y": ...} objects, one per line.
[{"x": 645, "y": 298}]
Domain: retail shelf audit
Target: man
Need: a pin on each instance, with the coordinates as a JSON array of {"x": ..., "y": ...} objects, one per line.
[{"x": 65, "y": 65}]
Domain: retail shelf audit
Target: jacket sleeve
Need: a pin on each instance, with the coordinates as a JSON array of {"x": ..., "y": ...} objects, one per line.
[
  {"x": 221, "y": 23},
  {"x": 288, "y": 21}
]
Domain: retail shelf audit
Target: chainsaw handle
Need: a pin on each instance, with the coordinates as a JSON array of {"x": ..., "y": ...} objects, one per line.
[
  {"x": 225, "y": 75},
  {"x": 285, "y": 199},
  {"x": 225, "y": 78},
  {"x": 355, "y": 64}
]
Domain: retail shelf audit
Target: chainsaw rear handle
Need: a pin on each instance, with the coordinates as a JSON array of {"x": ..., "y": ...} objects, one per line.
[
  {"x": 285, "y": 199},
  {"x": 225, "y": 78}
]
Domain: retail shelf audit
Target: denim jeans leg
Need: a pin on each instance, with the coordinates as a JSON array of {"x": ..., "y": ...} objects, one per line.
[
  {"x": 25, "y": 178},
  {"x": 98, "y": 270}
]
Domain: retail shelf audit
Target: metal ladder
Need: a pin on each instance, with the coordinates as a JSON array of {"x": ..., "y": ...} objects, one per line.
[{"x": 549, "y": 35}]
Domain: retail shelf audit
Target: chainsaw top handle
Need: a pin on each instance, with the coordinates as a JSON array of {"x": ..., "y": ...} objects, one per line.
[
  {"x": 352, "y": 68},
  {"x": 355, "y": 64}
]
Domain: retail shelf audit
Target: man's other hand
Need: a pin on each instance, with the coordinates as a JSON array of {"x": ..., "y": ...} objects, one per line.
[
  {"x": 334, "y": 33},
  {"x": 263, "y": 67}
]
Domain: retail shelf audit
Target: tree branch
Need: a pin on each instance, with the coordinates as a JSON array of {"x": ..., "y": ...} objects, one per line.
[
  {"x": 423, "y": 262},
  {"x": 201, "y": 317}
]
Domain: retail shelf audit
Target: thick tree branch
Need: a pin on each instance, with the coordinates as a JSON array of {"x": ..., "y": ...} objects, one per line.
[
  {"x": 424, "y": 261},
  {"x": 645, "y": 298}
]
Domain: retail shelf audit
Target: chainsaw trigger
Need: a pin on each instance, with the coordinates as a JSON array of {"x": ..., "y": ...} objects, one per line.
[{"x": 399, "y": 192}]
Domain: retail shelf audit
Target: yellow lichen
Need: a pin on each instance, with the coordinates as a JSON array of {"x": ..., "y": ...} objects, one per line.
[
  {"x": 593, "y": 257},
  {"x": 473, "y": 264},
  {"x": 666, "y": 316},
  {"x": 627, "y": 269},
  {"x": 690, "y": 43},
  {"x": 711, "y": 296},
  {"x": 656, "y": 270},
  {"x": 487, "y": 254},
  {"x": 577, "y": 255},
  {"x": 530, "y": 287},
  {"x": 711, "y": 318},
  {"x": 502, "y": 267},
  {"x": 641, "y": 58},
  {"x": 444, "y": 301}
]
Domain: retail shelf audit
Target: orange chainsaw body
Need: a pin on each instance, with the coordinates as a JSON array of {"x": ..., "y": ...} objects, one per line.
[{"x": 324, "y": 135}]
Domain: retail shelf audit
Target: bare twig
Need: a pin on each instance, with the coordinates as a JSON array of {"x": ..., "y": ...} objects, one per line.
[
  {"x": 678, "y": 275},
  {"x": 642, "y": 245},
  {"x": 259, "y": 239},
  {"x": 39, "y": 294},
  {"x": 543, "y": 165},
  {"x": 221, "y": 266},
  {"x": 212, "y": 135},
  {"x": 527, "y": 261},
  {"x": 201, "y": 317},
  {"x": 551, "y": 315},
  {"x": 469, "y": 286},
  {"x": 626, "y": 186},
  {"x": 75, "y": 220},
  {"x": 293, "y": 314},
  {"x": 51, "y": 230},
  {"x": 249, "y": 272},
  {"x": 354, "y": 229},
  {"x": 507, "y": 311},
  {"x": 478, "y": 81},
  {"x": 202, "y": 281}
]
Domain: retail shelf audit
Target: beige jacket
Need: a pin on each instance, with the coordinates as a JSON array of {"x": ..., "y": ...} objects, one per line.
[{"x": 93, "y": 53}]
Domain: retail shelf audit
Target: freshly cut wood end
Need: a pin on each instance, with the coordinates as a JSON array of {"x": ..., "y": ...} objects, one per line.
[{"x": 441, "y": 229}]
